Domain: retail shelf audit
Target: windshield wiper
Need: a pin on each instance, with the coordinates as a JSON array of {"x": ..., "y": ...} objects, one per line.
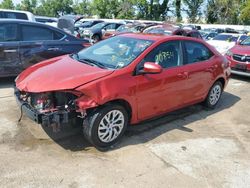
[
  {"x": 88, "y": 61},
  {"x": 92, "y": 62}
]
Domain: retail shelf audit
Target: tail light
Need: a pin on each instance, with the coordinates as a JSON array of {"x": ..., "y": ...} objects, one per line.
[
  {"x": 86, "y": 44},
  {"x": 78, "y": 35}
]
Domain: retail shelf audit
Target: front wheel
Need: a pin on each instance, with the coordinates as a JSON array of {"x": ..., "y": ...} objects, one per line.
[
  {"x": 106, "y": 125},
  {"x": 96, "y": 38},
  {"x": 214, "y": 95}
]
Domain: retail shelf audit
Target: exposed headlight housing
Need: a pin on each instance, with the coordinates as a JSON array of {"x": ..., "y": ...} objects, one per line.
[{"x": 229, "y": 53}]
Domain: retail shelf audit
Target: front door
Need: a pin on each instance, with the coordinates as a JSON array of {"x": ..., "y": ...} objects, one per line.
[
  {"x": 9, "y": 50},
  {"x": 159, "y": 93}
]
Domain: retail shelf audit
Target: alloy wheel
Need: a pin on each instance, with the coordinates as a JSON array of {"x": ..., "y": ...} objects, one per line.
[
  {"x": 215, "y": 95},
  {"x": 111, "y": 125}
]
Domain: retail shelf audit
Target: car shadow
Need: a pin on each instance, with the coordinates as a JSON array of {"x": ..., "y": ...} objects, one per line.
[
  {"x": 240, "y": 78},
  {"x": 148, "y": 130}
]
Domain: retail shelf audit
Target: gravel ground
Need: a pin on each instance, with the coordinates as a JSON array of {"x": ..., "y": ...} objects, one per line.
[{"x": 191, "y": 147}]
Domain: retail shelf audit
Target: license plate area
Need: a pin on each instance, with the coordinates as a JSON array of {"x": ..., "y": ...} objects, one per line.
[{"x": 242, "y": 67}]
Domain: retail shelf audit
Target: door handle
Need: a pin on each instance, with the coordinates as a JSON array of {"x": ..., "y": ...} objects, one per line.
[
  {"x": 10, "y": 51},
  {"x": 183, "y": 75},
  {"x": 53, "y": 49}
]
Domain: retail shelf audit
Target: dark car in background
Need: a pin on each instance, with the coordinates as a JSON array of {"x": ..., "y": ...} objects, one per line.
[
  {"x": 239, "y": 58},
  {"x": 96, "y": 32},
  {"x": 129, "y": 28},
  {"x": 83, "y": 23},
  {"x": 24, "y": 43},
  {"x": 45, "y": 19},
  {"x": 169, "y": 29}
]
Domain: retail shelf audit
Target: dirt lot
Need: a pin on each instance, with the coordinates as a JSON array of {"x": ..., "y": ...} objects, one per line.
[{"x": 191, "y": 147}]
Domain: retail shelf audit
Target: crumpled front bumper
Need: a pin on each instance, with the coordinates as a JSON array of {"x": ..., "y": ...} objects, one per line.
[{"x": 55, "y": 117}]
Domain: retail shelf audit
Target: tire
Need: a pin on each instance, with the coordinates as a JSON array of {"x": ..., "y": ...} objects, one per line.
[
  {"x": 96, "y": 38},
  {"x": 214, "y": 95},
  {"x": 97, "y": 129}
]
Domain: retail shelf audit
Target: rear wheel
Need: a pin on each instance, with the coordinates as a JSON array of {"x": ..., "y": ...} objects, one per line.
[
  {"x": 214, "y": 95},
  {"x": 106, "y": 125},
  {"x": 96, "y": 38}
]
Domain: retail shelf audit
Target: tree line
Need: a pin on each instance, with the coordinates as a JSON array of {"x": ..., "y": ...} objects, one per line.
[{"x": 196, "y": 11}]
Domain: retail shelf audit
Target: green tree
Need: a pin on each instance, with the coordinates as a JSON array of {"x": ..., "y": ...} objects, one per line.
[
  {"x": 28, "y": 5},
  {"x": 225, "y": 11},
  {"x": 193, "y": 9},
  {"x": 82, "y": 8},
  {"x": 55, "y": 8},
  {"x": 142, "y": 9},
  {"x": 178, "y": 10},
  {"x": 126, "y": 9},
  {"x": 212, "y": 12},
  {"x": 7, "y": 4},
  {"x": 105, "y": 8},
  {"x": 160, "y": 9},
  {"x": 245, "y": 12}
]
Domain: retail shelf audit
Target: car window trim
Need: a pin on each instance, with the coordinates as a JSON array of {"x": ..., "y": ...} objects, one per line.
[{"x": 54, "y": 33}]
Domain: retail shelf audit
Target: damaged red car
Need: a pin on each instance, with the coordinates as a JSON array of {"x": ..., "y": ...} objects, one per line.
[{"x": 120, "y": 81}]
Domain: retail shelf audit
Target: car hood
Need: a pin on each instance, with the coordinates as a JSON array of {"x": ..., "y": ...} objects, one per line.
[
  {"x": 61, "y": 73},
  {"x": 221, "y": 46},
  {"x": 241, "y": 50}
]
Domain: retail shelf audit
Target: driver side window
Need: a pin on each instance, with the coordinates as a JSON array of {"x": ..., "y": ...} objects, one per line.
[{"x": 166, "y": 55}]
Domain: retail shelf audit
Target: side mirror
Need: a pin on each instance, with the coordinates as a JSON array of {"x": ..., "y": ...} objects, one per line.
[{"x": 151, "y": 68}]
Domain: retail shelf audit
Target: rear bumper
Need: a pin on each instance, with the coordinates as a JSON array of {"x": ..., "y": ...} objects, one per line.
[{"x": 55, "y": 117}]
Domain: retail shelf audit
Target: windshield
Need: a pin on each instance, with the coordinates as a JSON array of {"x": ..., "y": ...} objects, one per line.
[
  {"x": 114, "y": 53},
  {"x": 226, "y": 38},
  {"x": 98, "y": 26},
  {"x": 246, "y": 42},
  {"x": 123, "y": 28},
  {"x": 86, "y": 23}
]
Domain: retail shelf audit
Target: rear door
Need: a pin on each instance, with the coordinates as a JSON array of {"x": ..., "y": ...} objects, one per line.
[
  {"x": 9, "y": 50},
  {"x": 201, "y": 65}
]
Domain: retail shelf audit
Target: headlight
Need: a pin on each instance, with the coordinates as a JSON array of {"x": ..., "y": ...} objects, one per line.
[
  {"x": 229, "y": 53},
  {"x": 86, "y": 32}
]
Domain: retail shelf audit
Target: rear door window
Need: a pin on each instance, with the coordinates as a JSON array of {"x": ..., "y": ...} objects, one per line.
[
  {"x": 32, "y": 33},
  {"x": 8, "y": 32},
  {"x": 58, "y": 36},
  {"x": 110, "y": 26},
  {"x": 196, "y": 52}
]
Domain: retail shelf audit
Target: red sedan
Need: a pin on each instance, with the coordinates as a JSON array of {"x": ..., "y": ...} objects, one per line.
[
  {"x": 122, "y": 80},
  {"x": 239, "y": 57}
]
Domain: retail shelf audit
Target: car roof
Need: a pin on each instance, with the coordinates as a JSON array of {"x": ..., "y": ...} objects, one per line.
[
  {"x": 32, "y": 23},
  {"x": 155, "y": 37},
  {"x": 21, "y": 11},
  {"x": 232, "y": 34}
]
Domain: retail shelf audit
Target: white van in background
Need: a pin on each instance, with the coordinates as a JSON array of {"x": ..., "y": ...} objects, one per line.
[{"x": 16, "y": 14}]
